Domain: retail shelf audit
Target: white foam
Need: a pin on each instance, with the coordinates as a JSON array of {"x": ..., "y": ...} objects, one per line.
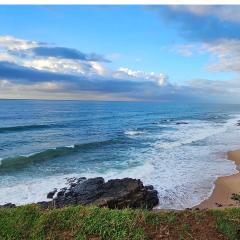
[
  {"x": 30, "y": 191},
  {"x": 195, "y": 130},
  {"x": 70, "y": 146},
  {"x": 133, "y": 132}
]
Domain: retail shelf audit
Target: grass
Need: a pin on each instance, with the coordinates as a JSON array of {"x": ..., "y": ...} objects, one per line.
[
  {"x": 93, "y": 223},
  {"x": 228, "y": 222}
]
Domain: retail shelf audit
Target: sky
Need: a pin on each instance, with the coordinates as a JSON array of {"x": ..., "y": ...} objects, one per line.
[{"x": 159, "y": 53}]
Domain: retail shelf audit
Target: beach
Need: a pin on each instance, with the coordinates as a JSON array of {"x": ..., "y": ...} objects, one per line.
[{"x": 225, "y": 187}]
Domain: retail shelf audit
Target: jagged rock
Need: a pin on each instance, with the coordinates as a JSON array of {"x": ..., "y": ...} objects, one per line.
[
  {"x": 61, "y": 192},
  {"x": 52, "y": 193},
  {"x": 8, "y": 205},
  {"x": 149, "y": 187},
  {"x": 116, "y": 193}
]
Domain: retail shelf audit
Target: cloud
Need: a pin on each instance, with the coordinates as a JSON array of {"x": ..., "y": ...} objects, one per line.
[
  {"x": 66, "y": 53},
  {"x": 44, "y": 56},
  {"x": 25, "y": 48},
  {"x": 12, "y": 71},
  {"x": 224, "y": 54},
  {"x": 208, "y": 29},
  {"x": 160, "y": 78},
  {"x": 61, "y": 76},
  {"x": 222, "y": 12},
  {"x": 12, "y": 43},
  {"x": 224, "y": 91},
  {"x": 199, "y": 22},
  {"x": 15, "y": 77},
  {"x": 67, "y": 66}
]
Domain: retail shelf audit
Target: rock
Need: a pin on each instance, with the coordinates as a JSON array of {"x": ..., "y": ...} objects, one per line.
[
  {"x": 61, "y": 192},
  {"x": 116, "y": 193},
  {"x": 149, "y": 187},
  {"x": 52, "y": 193},
  {"x": 8, "y": 205},
  {"x": 179, "y": 123},
  {"x": 85, "y": 192}
]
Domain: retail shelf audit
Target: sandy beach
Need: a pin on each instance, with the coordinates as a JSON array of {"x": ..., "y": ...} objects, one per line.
[{"x": 225, "y": 187}]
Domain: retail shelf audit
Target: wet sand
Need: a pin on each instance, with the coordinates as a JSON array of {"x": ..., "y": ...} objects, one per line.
[{"x": 225, "y": 187}]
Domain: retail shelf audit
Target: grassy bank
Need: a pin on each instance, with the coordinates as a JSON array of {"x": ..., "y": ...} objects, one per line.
[{"x": 30, "y": 222}]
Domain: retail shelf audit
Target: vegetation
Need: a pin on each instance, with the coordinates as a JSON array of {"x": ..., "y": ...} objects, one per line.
[
  {"x": 93, "y": 223},
  {"x": 236, "y": 197}
]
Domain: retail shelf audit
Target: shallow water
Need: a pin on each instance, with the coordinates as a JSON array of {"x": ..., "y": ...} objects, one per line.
[{"x": 180, "y": 149}]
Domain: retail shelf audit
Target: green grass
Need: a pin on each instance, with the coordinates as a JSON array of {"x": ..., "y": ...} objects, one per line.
[
  {"x": 30, "y": 222},
  {"x": 79, "y": 222},
  {"x": 228, "y": 222}
]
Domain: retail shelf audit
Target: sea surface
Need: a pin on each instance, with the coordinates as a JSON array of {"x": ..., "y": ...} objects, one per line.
[{"x": 178, "y": 148}]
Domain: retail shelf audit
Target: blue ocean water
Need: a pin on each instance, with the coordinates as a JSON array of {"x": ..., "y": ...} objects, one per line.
[{"x": 178, "y": 148}]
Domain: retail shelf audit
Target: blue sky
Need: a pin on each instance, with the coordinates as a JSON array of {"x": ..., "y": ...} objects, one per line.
[{"x": 161, "y": 53}]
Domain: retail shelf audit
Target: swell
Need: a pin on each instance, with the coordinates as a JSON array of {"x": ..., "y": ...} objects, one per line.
[
  {"x": 25, "y": 128},
  {"x": 22, "y": 161}
]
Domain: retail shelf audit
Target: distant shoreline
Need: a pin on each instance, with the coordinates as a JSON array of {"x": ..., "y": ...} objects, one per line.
[{"x": 225, "y": 187}]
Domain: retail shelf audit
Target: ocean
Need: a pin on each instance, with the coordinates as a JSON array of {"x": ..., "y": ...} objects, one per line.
[{"x": 180, "y": 149}]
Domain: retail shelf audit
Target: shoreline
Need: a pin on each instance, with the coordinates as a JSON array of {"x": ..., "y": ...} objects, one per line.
[{"x": 225, "y": 187}]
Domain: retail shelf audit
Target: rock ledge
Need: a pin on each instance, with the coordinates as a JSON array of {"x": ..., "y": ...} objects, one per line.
[{"x": 116, "y": 193}]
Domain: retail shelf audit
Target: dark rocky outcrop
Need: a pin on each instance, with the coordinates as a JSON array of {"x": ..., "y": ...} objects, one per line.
[
  {"x": 8, "y": 205},
  {"x": 116, "y": 193},
  {"x": 52, "y": 193}
]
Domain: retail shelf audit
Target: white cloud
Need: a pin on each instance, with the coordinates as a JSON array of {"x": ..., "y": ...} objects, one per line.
[
  {"x": 99, "y": 69},
  {"x": 12, "y": 43},
  {"x": 160, "y": 78},
  {"x": 11, "y": 49},
  {"x": 56, "y": 65},
  {"x": 224, "y": 54},
  {"x": 67, "y": 66},
  {"x": 222, "y": 12},
  {"x": 83, "y": 77},
  {"x": 7, "y": 57}
]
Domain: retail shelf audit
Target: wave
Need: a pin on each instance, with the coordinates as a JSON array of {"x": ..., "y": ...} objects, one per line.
[
  {"x": 22, "y": 161},
  {"x": 25, "y": 128},
  {"x": 133, "y": 132},
  {"x": 194, "y": 131}
]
